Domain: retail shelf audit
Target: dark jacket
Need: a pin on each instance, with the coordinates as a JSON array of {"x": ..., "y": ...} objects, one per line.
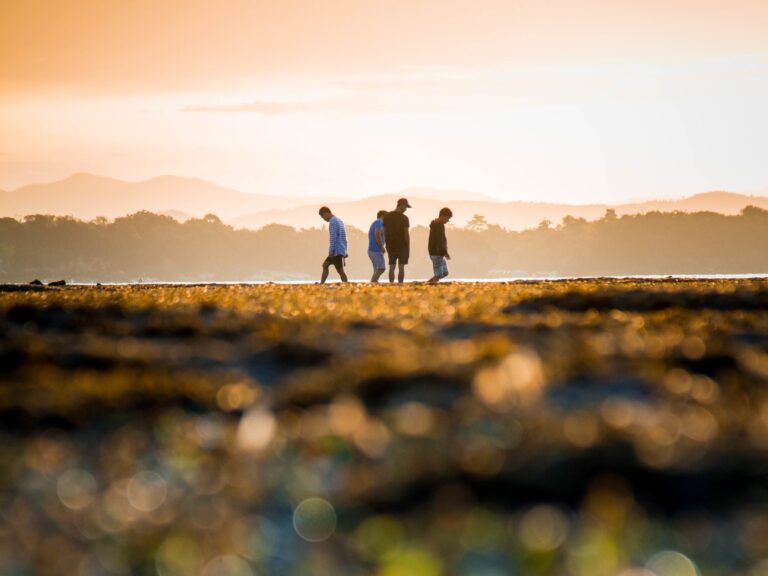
[
  {"x": 396, "y": 226},
  {"x": 438, "y": 243}
]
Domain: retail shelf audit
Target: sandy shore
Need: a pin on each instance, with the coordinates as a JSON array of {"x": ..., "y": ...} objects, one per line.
[{"x": 545, "y": 427}]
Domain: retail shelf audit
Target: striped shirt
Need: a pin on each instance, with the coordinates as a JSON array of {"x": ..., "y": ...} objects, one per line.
[{"x": 338, "y": 237}]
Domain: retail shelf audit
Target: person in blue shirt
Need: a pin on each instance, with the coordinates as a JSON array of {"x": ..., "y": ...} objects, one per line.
[
  {"x": 376, "y": 248},
  {"x": 337, "y": 248}
]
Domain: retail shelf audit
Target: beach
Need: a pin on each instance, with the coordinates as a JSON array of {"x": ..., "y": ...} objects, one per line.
[{"x": 584, "y": 427}]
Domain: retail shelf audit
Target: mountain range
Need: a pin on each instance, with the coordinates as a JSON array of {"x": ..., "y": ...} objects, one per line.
[{"x": 87, "y": 196}]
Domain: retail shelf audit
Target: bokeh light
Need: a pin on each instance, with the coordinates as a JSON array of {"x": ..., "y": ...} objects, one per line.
[
  {"x": 671, "y": 563},
  {"x": 314, "y": 519}
]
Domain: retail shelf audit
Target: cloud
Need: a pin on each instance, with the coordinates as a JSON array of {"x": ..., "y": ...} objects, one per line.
[
  {"x": 270, "y": 108},
  {"x": 362, "y": 103},
  {"x": 360, "y": 94},
  {"x": 435, "y": 89}
]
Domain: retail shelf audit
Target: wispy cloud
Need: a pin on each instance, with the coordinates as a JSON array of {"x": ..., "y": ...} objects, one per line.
[
  {"x": 358, "y": 94},
  {"x": 267, "y": 107},
  {"x": 456, "y": 89}
]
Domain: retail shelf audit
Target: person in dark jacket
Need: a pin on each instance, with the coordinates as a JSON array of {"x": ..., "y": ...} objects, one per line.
[
  {"x": 398, "y": 239},
  {"x": 438, "y": 245}
]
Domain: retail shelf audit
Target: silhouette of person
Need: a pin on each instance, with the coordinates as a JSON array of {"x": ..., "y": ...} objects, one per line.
[
  {"x": 438, "y": 245},
  {"x": 376, "y": 248},
  {"x": 337, "y": 248},
  {"x": 396, "y": 225}
]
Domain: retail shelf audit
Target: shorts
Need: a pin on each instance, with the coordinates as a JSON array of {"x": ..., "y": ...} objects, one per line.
[
  {"x": 377, "y": 259},
  {"x": 398, "y": 254},
  {"x": 336, "y": 261},
  {"x": 439, "y": 266}
]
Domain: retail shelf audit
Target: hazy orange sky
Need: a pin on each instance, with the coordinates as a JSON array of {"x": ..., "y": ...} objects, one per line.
[{"x": 564, "y": 100}]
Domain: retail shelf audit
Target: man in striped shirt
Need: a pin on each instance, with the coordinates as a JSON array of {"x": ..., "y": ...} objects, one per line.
[{"x": 337, "y": 250}]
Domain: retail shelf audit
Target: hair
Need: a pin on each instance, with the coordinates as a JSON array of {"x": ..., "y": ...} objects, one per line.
[
  {"x": 324, "y": 210},
  {"x": 381, "y": 213},
  {"x": 446, "y": 212}
]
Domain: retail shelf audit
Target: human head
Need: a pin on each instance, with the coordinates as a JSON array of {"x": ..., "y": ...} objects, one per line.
[
  {"x": 445, "y": 215},
  {"x": 380, "y": 214},
  {"x": 325, "y": 213},
  {"x": 403, "y": 205}
]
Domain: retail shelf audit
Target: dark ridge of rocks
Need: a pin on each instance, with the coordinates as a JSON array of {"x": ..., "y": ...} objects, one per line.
[
  {"x": 567, "y": 480},
  {"x": 22, "y": 287},
  {"x": 430, "y": 389},
  {"x": 644, "y": 301}
]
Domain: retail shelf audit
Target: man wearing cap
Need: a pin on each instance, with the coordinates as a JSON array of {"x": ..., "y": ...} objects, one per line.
[{"x": 396, "y": 225}]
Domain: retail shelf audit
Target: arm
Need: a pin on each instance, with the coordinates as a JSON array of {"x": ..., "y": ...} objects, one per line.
[
  {"x": 343, "y": 239},
  {"x": 337, "y": 241},
  {"x": 445, "y": 244},
  {"x": 333, "y": 233},
  {"x": 377, "y": 235},
  {"x": 407, "y": 233}
]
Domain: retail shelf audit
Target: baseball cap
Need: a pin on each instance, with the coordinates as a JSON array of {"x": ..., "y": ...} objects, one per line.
[{"x": 404, "y": 201}]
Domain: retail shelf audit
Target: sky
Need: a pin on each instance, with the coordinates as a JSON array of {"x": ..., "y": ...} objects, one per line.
[{"x": 574, "y": 101}]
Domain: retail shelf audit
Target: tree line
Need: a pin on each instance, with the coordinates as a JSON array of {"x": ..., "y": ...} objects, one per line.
[{"x": 151, "y": 247}]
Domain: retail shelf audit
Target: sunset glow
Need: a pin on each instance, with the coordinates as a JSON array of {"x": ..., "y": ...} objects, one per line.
[{"x": 561, "y": 101}]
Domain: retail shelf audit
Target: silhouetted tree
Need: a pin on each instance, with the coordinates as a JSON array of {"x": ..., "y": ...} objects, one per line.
[
  {"x": 477, "y": 223},
  {"x": 157, "y": 247},
  {"x": 545, "y": 224}
]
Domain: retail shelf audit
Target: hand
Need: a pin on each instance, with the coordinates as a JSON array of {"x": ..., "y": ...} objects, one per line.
[
  {"x": 447, "y": 256},
  {"x": 383, "y": 250}
]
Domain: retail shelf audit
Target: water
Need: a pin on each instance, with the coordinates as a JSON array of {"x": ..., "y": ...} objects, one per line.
[{"x": 460, "y": 280}]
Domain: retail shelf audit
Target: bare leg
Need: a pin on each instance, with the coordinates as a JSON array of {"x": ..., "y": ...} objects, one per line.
[
  {"x": 391, "y": 272},
  {"x": 401, "y": 273},
  {"x": 377, "y": 275},
  {"x": 324, "y": 277}
]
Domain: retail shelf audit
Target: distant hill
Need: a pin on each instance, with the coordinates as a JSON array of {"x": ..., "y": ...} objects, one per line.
[
  {"x": 445, "y": 195},
  {"x": 87, "y": 196},
  {"x": 512, "y": 215},
  {"x": 360, "y": 213},
  {"x": 722, "y": 202}
]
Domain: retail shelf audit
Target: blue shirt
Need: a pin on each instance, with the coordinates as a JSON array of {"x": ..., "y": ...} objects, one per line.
[
  {"x": 373, "y": 246},
  {"x": 338, "y": 237}
]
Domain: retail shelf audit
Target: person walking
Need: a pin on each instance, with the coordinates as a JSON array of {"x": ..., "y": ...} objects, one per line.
[
  {"x": 337, "y": 249},
  {"x": 396, "y": 225},
  {"x": 376, "y": 248},
  {"x": 438, "y": 245}
]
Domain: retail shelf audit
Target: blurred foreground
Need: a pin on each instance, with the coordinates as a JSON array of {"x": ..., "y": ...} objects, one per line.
[{"x": 579, "y": 428}]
